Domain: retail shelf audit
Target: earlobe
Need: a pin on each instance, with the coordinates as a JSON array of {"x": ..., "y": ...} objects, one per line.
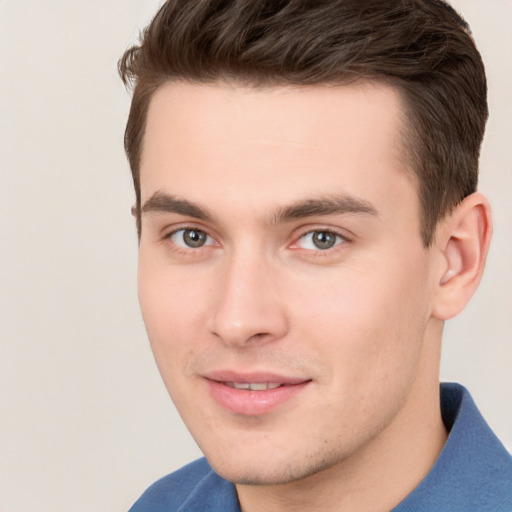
[{"x": 462, "y": 242}]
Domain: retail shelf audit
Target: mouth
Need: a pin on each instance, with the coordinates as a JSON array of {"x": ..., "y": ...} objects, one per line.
[
  {"x": 253, "y": 386},
  {"x": 254, "y": 394}
]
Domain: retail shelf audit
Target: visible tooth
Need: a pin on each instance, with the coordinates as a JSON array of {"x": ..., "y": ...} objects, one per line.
[
  {"x": 253, "y": 386},
  {"x": 241, "y": 385},
  {"x": 258, "y": 386}
]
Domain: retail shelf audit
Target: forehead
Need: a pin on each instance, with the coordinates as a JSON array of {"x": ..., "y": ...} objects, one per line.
[{"x": 273, "y": 142}]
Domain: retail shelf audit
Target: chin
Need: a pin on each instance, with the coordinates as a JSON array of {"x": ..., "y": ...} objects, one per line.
[{"x": 242, "y": 471}]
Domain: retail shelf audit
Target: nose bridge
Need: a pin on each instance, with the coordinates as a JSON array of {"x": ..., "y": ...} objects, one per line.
[{"x": 247, "y": 306}]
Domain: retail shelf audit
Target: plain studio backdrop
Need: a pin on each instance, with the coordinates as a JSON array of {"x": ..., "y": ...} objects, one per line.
[{"x": 85, "y": 423}]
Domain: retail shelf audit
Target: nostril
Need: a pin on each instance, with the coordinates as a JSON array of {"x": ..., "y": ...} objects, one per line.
[{"x": 259, "y": 335}]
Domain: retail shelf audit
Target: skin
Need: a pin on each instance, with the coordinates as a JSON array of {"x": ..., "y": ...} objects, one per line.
[{"x": 361, "y": 321}]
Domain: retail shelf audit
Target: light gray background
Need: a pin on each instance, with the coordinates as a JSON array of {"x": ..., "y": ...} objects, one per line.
[{"x": 85, "y": 423}]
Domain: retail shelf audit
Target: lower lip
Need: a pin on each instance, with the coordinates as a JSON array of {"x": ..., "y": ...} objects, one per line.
[{"x": 253, "y": 403}]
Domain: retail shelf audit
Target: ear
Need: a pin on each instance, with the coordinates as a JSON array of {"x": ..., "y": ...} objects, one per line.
[{"x": 462, "y": 242}]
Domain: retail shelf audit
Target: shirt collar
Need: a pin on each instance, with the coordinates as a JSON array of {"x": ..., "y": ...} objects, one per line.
[
  {"x": 473, "y": 471},
  {"x": 212, "y": 494}
]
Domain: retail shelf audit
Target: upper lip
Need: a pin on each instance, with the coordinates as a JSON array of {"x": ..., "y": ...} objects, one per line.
[{"x": 253, "y": 377}]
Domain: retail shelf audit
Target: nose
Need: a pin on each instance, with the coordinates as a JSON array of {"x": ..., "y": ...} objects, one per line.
[{"x": 248, "y": 307}]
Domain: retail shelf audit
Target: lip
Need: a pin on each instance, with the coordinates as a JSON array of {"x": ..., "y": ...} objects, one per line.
[{"x": 253, "y": 403}]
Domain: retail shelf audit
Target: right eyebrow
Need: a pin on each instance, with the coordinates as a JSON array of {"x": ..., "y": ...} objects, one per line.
[{"x": 160, "y": 202}]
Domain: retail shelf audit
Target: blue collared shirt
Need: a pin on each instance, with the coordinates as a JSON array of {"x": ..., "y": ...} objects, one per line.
[{"x": 472, "y": 474}]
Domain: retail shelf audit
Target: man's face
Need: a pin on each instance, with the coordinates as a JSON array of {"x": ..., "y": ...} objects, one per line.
[{"x": 282, "y": 278}]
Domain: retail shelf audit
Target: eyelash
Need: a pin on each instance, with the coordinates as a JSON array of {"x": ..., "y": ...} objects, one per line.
[
  {"x": 188, "y": 251},
  {"x": 341, "y": 240}
]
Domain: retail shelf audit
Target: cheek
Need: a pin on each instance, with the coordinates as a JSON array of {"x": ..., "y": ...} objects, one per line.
[
  {"x": 368, "y": 320},
  {"x": 173, "y": 311}
]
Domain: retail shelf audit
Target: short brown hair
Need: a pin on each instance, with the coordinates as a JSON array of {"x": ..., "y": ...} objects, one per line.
[{"x": 421, "y": 47}]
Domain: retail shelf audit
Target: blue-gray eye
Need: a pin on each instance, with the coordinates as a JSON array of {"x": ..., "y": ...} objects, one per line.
[
  {"x": 319, "y": 240},
  {"x": 190, "y": 238}
]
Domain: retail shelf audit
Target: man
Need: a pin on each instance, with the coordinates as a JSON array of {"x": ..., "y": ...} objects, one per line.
[{"x": 305, "y": 177}]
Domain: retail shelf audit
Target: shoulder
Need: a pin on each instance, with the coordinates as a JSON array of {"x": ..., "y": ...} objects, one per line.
[{"x": 171, "y": 491}]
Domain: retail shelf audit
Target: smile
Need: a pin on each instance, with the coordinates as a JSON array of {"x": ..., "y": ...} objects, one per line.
[{"x": 254, "y": 395}]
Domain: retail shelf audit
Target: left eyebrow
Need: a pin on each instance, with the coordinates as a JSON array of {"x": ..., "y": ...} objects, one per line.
[{"x": 323, "y": 206}]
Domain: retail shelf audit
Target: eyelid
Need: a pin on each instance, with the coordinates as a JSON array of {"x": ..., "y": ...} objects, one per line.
[
  {"x": 209, "y": 241},
  {"x": 169, "y": 231},
  {"x": 346, "y": 235},
  {"x": 310, "y": 239}
]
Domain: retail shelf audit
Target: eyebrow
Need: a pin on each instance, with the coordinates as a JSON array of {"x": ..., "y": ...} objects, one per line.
[
  {"x": 323, "y": 206},
  {"x": 165, "y": 203},
  {"x": 160, "y": 202}
]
